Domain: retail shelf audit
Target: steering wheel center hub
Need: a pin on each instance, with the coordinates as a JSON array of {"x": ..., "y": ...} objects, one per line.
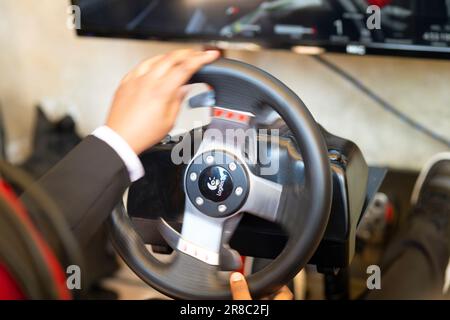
[{"x": 217, "y": 183}]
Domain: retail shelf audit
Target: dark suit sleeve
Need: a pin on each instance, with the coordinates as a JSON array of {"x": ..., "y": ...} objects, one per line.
[{"x": 86, "y": 185}]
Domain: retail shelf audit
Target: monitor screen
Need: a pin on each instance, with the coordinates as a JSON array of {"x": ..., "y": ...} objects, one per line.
[{"x": 405, "y": 27}]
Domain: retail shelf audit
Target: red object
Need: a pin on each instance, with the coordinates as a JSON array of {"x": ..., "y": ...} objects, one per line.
[
  {"x": 380, "y": 3},
  {"x": 242, "y": 269},
  {"x": 389, "y": 214},
  {"x": 52, "y": 262},
  {"x": 235, "y": 116},
  {"x": 9, "y": 290},
  {"x": 232, "y": 10}
]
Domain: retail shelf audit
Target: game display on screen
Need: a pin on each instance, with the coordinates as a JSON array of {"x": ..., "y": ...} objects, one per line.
[{"x": 414, "y": 27}]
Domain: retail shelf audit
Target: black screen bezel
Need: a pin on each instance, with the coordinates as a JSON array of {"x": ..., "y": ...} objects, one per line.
[{"x": 418, "y": 51}]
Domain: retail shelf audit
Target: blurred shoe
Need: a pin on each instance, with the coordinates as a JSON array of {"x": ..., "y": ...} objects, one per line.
[{"x": 431, "y": 193}]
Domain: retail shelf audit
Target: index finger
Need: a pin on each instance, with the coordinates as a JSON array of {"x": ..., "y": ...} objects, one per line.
[{"x": 181, "y": 73}]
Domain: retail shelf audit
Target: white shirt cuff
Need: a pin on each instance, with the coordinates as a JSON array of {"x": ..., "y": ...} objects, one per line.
[{"x": 121, "y": 147}]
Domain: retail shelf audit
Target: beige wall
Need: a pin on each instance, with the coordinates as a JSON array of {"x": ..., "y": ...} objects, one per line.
[{"x": 42, "y": 61}]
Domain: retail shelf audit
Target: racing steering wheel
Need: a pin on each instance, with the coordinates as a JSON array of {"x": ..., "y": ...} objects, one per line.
[{"x": 220, "y": 186}]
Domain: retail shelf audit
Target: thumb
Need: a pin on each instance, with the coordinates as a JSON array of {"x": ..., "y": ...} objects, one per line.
[{"x": 239, "y": 287}]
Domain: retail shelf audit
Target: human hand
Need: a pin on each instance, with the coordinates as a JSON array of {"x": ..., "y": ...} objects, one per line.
[
  {"x": 148, "y": 100},
  {"x": 240, "y": 291}
]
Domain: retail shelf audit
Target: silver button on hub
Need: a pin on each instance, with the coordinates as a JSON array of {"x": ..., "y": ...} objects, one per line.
[
  {"x": 232, "y": 166},
  {"x": 199, "y": 201},
  {"x": 209, "y": 159},
  {"x": 193, "y": 176},
  {"x": 222, "y": 208},
  {"x": 239, "y": 191}
]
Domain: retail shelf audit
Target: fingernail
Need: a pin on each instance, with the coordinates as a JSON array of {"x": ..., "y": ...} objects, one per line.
[
  {"x": 235, "y": 277},
  {"x": 212, "y": 52}
]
